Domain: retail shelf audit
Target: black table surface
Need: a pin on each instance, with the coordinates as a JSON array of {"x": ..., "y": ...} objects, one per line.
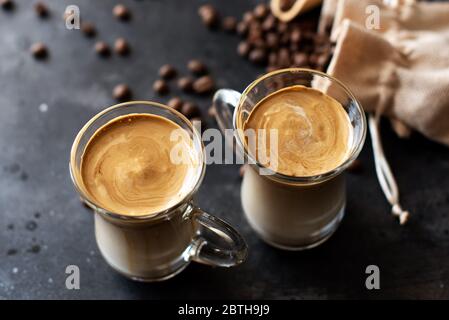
[{"x": 44, "y": 228}]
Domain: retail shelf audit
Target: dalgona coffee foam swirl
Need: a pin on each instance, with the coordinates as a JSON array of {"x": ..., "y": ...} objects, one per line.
[
  {"x": 313, "y": 131},
  {"x": 127, "y": 166}
]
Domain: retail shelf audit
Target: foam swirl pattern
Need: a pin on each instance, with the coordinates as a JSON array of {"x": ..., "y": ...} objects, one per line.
[
  {"x": 313, "y": 131},
  {"x": 127, "y": 166}
]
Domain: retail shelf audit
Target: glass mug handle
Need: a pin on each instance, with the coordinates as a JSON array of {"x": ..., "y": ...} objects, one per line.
[
  {"x": 211, "y": 233},
  {"x": 225, "y": 101}
]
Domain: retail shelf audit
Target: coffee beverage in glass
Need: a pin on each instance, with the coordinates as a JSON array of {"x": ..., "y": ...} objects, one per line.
[
  {"x": 294, "y": 199},
  {"x": 139, "y": 165}
]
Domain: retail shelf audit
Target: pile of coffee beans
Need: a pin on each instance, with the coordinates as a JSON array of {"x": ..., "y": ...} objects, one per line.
[{"x": 274, "y": 44}]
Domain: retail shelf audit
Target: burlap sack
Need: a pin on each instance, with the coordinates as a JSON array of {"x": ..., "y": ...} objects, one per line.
[{"x": 401, "y": 69}]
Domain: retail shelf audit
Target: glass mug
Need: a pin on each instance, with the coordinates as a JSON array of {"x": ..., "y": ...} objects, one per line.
[
  {"x": 158, "y": 246},
  {"x": 291, "y": 213}
]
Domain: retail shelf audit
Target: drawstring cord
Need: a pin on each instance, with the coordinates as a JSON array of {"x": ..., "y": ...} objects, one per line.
[{"x": 383, "y": 171}]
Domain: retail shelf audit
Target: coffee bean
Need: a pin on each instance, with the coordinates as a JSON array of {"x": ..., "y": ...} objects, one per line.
[
  {"x": 189, "y": 109},
  {"x": 229, "y": 24},
  {"x": 175, "y": 103},
  {"x": 255, "y": 34},
  {"x": 39, "y": 50},
  {"x": 248, "y": 17},
  {"x": 203, "y": 85},
  {"x": 41, "y": 9},
  {"x": 282, "y": 27},
  {"x": 121, "y": 47},
  {"x": 313, "y": 59},
  {"x": 295, "y": 36},
  {"x": 209, "y": 15},
  {"x": 242, "y": 28},
  {"x": 88, "y": 29},
  {"x": 272, "y": 59},
  {"x": 272, "y": 40},
  {"x": 322, "y": 61},
  {"x": 257, "y": 56},
  {"x": 284, "y": 60},
  {"x": 102, "y": 49},
  {"x": 261, "y": 11},
  {"x": 243, "y": 48},
  {"x": 269, "y": 23},
  {"x": 121, "y": 12},
  {"x": 167, "y": 71},
  {"x": 185, "y": 84},
  {"x": 160, "y": 86},
  {"x": 122, "y": 92},
  {"x": 7, "y": 4},
  {"x": 300, "y": 59},
  {"x": 196, "y": 66},
  {"x": 212, "y": 112},
  {"x": 355, "y": 167}
]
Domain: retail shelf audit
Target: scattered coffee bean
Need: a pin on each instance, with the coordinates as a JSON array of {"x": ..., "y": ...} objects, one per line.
[
  {"x": 11, "y": 252},
  {"x": 185, "y": 84},
  {"x": 355, "y": 167},
  {"x": 167, "y": 71},
  {"x": 300, "y": 59},
  {"x": 284, "y": 58},
  {"x": 7, "y": 4},
  {"x": 269, "y": 23},
  {"x": 295, "y": 36},
  {"x": 37, "y": 215},
  {"x": 34, "y": 249},
  {"x": 248, "y": 17},
  {"x": 209, "y": 15},
  {"x": 39, "y": 50},
  {"x": 242, "y": 28},
  {"x": 102, "y": 49},
  {"x": 243, "y": 48},
  {"x": 41, "y": 9},
  {"x": 257, "y": 56},
  {"x": 121, "y": 93},
  {"x": 229, "y": 24},
  {"x": 197, "y": 67},
  {"x": 160, "y": 87},
  {"x": 88, "y": 29},
  {"x": 261, "y": 11},
  {"x": 175, "y": 103},
  {"x": 190, "y": 110},
  {"x": 272, "y": 40},
  {"x": 121, "y": 12},
  {"x": 121, "y": 47},
  {"x": 212, "y": 112},
  {"x": 203, "y": 85}
]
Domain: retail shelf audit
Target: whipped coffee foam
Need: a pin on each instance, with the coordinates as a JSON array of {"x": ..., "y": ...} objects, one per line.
[
  {"x": 127, "y": 168},
  {"x": 314, "y": 131}
]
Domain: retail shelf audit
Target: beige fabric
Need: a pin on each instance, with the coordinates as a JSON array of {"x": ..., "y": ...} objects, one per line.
[{"x": 402, "y": 69}]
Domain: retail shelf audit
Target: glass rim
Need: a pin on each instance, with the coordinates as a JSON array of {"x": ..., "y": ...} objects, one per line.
[
  {"x": 147, "y": 217},
  {"x": 293, "y": 180}
]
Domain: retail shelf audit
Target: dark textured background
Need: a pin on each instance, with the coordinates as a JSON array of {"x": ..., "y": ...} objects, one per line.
[{"x": 76, "y": 84}]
